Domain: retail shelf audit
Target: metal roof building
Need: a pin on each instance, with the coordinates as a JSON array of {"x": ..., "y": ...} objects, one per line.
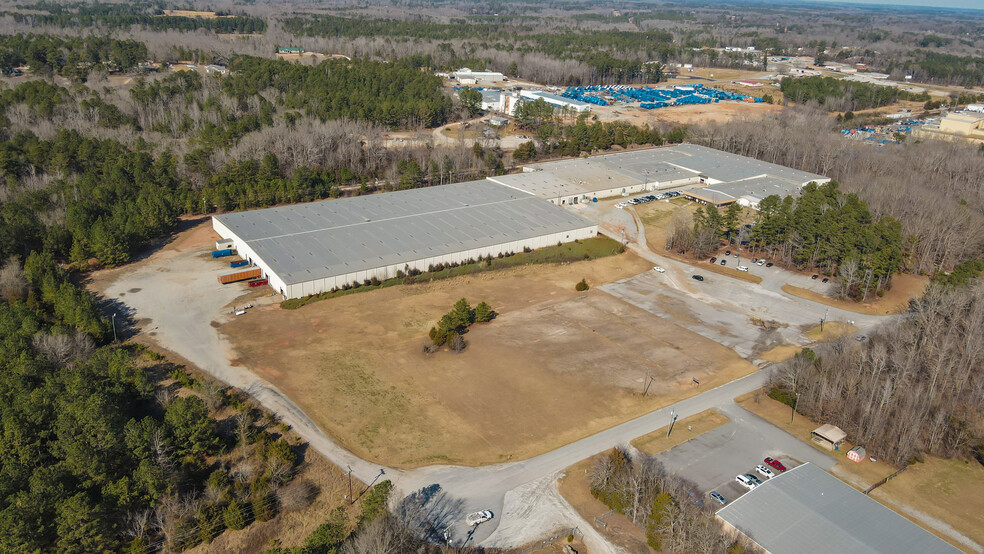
[
  {"x": 310, "y": 248},
  {"x": 717, "y": 177},
  {"x": 806, "y": 510}
]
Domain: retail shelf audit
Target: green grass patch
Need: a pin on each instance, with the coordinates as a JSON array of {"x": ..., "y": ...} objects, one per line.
[{"x": 590, "y": 249}]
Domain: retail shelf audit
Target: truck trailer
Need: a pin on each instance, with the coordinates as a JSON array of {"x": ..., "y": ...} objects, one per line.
[{"x": 242, "y": 275}]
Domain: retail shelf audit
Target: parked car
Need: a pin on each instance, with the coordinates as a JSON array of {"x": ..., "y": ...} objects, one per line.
[
  {"x": 658, "y": 269},
  {"x": 724, "y": 262},
  {"x": 720, "y": 499},
  {"x": 747, "y": 481},
  {"x": 743, "y": 268},
  {"x": 768, "y": 264},
  {"x": 775, "y": 464},
  {"x": 755, "y": 260},
  {"x": 736, "y": 254},
  {"x": 762, "y": 262},
  {"x": 727, "y": 252},
  {"x": 825, "y": 280},
  {"x": 862, "y": 338},
  {"x": 698, "y": 277},
  {"x": 764, "y": 471},
  {"x": 714, "y": 259},
  {"x": 478, "y": 517},
  {"x": 814, "y": 277}
]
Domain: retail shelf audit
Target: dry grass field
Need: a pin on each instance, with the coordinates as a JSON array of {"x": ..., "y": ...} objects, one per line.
[
  {"x": 721, "y": 112},
  {"x": 555, "y": 366},
  {"x": 193, "y": 13},
  {"x": 832, "y": 330}
]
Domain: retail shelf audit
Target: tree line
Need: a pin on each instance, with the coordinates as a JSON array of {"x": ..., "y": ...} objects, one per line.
[
  {"x": 97, "y": 454},
  {"x": 843, "y": 95},
  {"x": 146, "y": 15},
  {"x": 670, "y": 508},
  {"x": 931, "y": 188},
  {"x": 69, "y": 56},
  {"x": 913, "y": 387}
]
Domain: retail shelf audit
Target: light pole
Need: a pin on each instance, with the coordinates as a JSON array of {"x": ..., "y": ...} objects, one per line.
[
  {"x": 795, "y": 404},
  {"x": 673, "y": 418},
  {"x": 114, "y": 327}
]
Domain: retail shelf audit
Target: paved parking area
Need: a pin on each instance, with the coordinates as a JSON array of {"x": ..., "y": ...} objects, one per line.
[{"x": 713, "y": 459}]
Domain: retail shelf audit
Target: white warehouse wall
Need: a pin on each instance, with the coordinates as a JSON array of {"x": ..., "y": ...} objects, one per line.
[{"x": 318, "y": 286}]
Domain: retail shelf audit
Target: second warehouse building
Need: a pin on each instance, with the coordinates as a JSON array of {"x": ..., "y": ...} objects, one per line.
[{"x": 319, "y": 246}]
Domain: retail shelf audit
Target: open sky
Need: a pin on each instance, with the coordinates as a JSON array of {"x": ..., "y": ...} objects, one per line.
[{"x": 964, "y": 4}]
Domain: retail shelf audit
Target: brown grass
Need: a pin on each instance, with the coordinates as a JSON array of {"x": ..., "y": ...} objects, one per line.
[
  {"x": 949, "y": 490},
  {"x": 554, "y": 367},
  {"x": 619, "y": 530},
  {"x": 684, "y": 430},
  {"x": 193, "y": 13},
  {"x": 780, "y": 353},
  {"x": 942, "y": 496},
  {"x": 832, "y": 330},
  {"x": 904, "y": 289}
]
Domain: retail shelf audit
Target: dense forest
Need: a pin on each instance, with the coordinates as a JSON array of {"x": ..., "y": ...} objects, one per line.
[
  {"x": 69, "y": 56},
  {"x": 124, "y": 15},
  {"x": 914, "y": 387},
  {"x": 108, "y": 447},
  {"x": 841, "y": 95}
]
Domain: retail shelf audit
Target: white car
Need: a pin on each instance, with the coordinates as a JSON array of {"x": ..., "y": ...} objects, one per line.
[
  {"x": 658, "y": 269},
  {"x": 478, "y": 517},
  {"x": 761, "y": 262},
  {"x": 743, "y": 268},
  {"x": 621, "y": 205},
  {"x": 747, "y": 481},
  {"x": 765, "y": 472}
]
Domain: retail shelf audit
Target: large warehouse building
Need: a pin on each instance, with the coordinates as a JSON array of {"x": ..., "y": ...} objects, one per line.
[
  {"x": 715, "y": 177},
  {"x": 806, "y": 510},
  {"x": 315, "y": 247}
]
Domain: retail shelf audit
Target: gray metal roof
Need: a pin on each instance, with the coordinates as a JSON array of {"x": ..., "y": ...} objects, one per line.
[
  {"x": 322, "y": 239},
  {"x": 736, "y": 175},
  {"x": 806, "y": 510}
]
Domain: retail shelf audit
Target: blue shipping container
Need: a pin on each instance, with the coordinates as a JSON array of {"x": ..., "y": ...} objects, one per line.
[
  {"x": 240, "y": 263},
  {"x": 222, "y": 253}
]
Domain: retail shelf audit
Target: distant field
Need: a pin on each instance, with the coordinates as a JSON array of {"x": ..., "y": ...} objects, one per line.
[{"x": 193, "y": 13}]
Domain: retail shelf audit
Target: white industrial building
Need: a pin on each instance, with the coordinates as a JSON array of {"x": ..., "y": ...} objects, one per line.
[
  {"x": 315, "y": 247},
  {"x": 468, "y": 77},
  {"x": 713, "y": 176},
  {"x": 501, "y": 102},
  {"x": 555, "y": 100}
]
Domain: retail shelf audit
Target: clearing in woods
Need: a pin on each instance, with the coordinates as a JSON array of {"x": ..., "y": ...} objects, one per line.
[{"x": 553, "y": 367}]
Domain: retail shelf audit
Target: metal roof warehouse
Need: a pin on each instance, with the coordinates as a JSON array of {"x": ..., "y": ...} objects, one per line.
[
  {"x": 806, "y": 510},
  {"x": 714, "y": 176},
  {"x": 311, "y": 248}
]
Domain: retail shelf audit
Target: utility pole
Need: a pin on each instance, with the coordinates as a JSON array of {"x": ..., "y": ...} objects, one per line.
[
  {"x": 824, "y": 318},
  {"x": 114, "y": 327},
  {"x": 795, "y": 404},
  {"x": 673, "y": 418},
  {"x": 351, "y": 499},
  {"x": 651, "y": 379}
]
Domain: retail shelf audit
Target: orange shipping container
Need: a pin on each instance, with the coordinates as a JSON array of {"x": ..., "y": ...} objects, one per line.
[{"x": 239, "y": 275}]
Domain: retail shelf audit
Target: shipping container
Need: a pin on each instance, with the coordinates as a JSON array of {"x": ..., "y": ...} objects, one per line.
[
  {"x": 240, "y": 263},
  {"x": 241, "y": 275},
  {"x": 224, "y": 244},
  {"x": 221, "y": 253},
  {"x": 258, "y": 282}
]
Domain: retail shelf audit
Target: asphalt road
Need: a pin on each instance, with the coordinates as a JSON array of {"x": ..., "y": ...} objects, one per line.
[{"x": 174, "y": 296}]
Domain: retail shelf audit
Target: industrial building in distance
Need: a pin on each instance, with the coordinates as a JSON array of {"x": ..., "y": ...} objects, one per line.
[
  {"x": 312, "y": 248},
  {"x": 315, "y": 247},
  {"x": 714, "y": 177},
  {"x": 806, "y": 510}
]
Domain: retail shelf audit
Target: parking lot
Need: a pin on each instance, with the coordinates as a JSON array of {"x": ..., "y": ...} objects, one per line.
[{"x": 714, "y": 459}]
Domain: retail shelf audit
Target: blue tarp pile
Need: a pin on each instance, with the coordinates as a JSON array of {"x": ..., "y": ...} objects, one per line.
[{"x": 652, "y": 98}]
